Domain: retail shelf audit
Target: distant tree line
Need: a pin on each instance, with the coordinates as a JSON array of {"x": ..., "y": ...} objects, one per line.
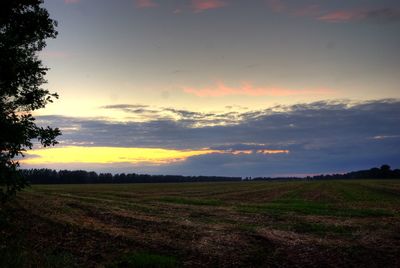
[
  {"x": 49, "y": 176},
  {"x": 384, "y": 172}
]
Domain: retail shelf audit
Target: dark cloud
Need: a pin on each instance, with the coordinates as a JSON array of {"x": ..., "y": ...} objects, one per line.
[
  {"x": 143, "y": 111},
  {"x": 185, "y": 117},
  {"x": 125, "y": 106},
  {"x": 321, "y": 137},
  {"x": 383, "y": 15}
]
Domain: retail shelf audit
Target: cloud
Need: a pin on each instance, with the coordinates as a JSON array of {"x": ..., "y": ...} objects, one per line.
[
  {"x": 142, "y": 113},
  {"x": 276, "y": 5},
  {"x": 383, "y": 15},
  {"x": 380, "y": 137},
  {"x": 146, "y": 4},
  {"x": 341, "y": 16},
  {"x": 325, "y": 136},
  {"x": 279, "y": 125},
  {"x": 326, "y": 14},
  {"x": 203, "y": 5},
  {"x": 375, "y": 15},
  {"x": 125, "y": 106},
  {"x": 247, "y": 89},
  {"x": 71, "y": 1}
]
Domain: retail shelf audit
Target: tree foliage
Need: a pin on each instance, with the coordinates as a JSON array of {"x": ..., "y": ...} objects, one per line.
[
  {"x": 24, "y": 27},
  {"x": 384, "y": 172},
  {"x": 48, "y": 176}
]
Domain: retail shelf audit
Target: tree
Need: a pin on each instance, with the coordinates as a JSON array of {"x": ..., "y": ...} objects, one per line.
[
  {"x": 385, "y": 171},
  {"x": 24, "y": 27}
]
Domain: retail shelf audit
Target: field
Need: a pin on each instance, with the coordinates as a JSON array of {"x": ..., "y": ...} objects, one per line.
[{"x": 241, "y": 224}]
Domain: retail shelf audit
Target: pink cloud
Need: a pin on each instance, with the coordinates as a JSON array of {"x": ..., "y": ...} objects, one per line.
[
  {"x": 202, "y": 5},
  {"x": 146, "y": 4},
  {"x": 71, "y": 1},
  {"x": 342, "y": 16},
  {"x": 314, "y": 11},
  {"x": 276, "y": 5},
  {"x": 263, "y": 151},
  {"x": 373, "y": 15},
  {"x": 318, "y": 12},
  {"x": 247, "y": 89}
]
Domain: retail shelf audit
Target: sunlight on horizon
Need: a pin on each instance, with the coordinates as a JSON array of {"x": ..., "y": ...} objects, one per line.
[{"x": 108, "y": 155}]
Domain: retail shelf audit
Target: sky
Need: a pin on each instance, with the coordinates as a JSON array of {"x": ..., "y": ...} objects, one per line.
[{"x": 223, "y": 87}]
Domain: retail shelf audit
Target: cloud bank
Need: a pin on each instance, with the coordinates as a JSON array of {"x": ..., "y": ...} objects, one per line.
[
  {"x": 317, "y": 10},
  {"x": 334, "y": 136},
  {"x": 374, "y": 15},
  {"x": 320, "y": 11}
]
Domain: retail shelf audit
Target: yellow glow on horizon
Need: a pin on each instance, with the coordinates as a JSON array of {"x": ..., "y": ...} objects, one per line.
[
  {"x": 113, "y": 155},
  {"x": 109, "y": 155}
]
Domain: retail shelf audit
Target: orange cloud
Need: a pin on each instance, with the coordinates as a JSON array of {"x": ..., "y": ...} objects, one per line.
[
  {"x": 264, "y": 151},
  {"x": 202, "y": 5},
  {"x": 146, "y": 4},
  {"x": 247, "y": 89},
  {"x": 341, "y": 16},
  {"x": 273, "y": 151},
  {"x": 238, "y": 152}
]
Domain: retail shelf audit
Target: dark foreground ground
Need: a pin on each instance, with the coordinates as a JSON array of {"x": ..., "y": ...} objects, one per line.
[{"x": 245, "y": 224}]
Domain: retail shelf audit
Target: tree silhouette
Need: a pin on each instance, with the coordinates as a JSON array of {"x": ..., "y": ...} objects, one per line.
[{"x": 24, "y": 27}]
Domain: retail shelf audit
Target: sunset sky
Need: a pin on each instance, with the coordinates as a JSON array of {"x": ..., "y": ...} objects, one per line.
[{"x": 223, "y": 87}]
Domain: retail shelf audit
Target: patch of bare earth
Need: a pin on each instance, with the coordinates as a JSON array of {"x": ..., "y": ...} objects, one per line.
[
  {"x": 201, "y": 236},
  {"x": 201, "y": 244}
]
